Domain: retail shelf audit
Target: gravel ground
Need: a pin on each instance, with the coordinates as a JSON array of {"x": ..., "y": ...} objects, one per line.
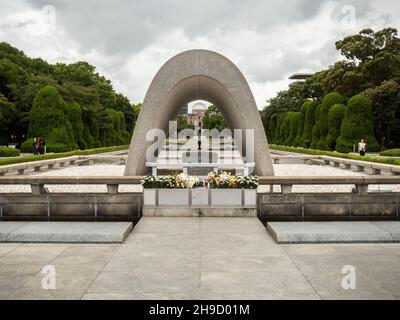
[{"x": 114, "y": 170}]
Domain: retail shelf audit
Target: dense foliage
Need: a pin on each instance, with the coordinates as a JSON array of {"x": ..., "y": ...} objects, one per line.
[
  {"x": 335, "y": 119},
  {"x": 87, "y": 112},
  {"x": 391, "y": 153},
  {"x": 213, "y": 119},
  {"x": 309, "y": 122},
  {"x": 9, "y": 152},
  {"x": 358, "y": 122},
  {"x": 371, "y": 68}
]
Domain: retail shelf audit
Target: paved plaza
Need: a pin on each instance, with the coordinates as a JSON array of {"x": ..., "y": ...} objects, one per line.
[{"x": 199, "y": 258}]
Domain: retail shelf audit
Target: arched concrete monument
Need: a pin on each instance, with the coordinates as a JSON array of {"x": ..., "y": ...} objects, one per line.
[{"x": 198, "y": 75}]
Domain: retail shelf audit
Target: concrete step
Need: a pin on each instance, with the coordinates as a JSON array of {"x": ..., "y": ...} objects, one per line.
[
  {"x": 64, "y": 232},
  {"x": 335, "y": 232}
]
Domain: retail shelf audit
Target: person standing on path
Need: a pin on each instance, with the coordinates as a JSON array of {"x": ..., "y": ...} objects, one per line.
[{"x": 362, "y": 147}]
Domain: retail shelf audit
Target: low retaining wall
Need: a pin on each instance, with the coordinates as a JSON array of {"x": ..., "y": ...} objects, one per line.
[
  {"x": 40, "y": 205},
  {"x": 70, "y": 207},
  {"x": 325, "y": 207},
  {"x": 358, "y": 205}
]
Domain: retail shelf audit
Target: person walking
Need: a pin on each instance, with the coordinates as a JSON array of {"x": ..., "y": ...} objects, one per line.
[
  {"x": 362, "y": 147},
  {"x": 42, "y": 146},
  {"x": 36, "y": 146}
]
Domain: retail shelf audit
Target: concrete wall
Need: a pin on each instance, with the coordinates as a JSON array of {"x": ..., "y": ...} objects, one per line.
[
  {"x": 71, "y": 207},
  {"x": 332, "y": 206}
]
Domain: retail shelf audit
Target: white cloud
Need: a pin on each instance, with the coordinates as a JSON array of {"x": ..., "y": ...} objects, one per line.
[{"x": 130, "y": 40}]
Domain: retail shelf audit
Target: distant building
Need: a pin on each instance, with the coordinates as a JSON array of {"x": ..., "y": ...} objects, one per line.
[
  {"x": 196, "y": 117},
  {"x": 300, "y": 77}
]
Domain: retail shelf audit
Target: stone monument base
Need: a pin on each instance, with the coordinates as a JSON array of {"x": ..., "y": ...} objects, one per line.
[{"x": 204, "y": 212}]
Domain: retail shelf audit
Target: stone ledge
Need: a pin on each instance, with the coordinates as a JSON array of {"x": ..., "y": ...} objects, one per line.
[
  {"x": 65, "y": 232},
  {"x": 334, "y": 232}
]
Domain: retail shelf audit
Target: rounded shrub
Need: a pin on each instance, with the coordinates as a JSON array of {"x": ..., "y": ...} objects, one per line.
[
  {"x": 316, "y": 132},
  {"x": 113, "y": 129},
  {"x": 390, "y": 153},
  {"x": 27, "y": 146},
  {"x": 284, "y": 130},
  {"x": 271, "y": 127},
  {"x": 335, "y": 119},
  {"x": 333, "y": 98},
  {"x": 309, "y": 122},
  {"x": 74, "y": 112},
  {"x": 281, "y": 118},
  {"x": 49, "y": 118},
  {"x": 298, "y": 141},
  {"x": 294, "y": 126},
  {"x": 329, "y": 101},
  {"x": 357, "y": 124},
  {"x": 9, "y": 152}
]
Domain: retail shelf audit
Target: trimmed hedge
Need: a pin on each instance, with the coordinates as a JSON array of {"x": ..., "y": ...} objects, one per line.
[
  {"x": 294, "y": 126},
  {"x": 316, "y": 133},
  {"x": 298, "y": 141},
  {"x": 49, "y": 118},
  {"x": 74, "y": 113},
  {"x": 309, "y": 122},
  {"x": 357, "y": 124},
  {"x": 390, "y": 153},
  {"x": 281, "y": 119},
  {"x": 335, "y": 119},
  {"x": 9, "y": 152},
  {"x": 64, "y": 127},
  {"x": 284, "y": 130},
  {"x": 271, "y": 127},
  {"x": 329, "y": 101},
  {"x": 336, "y": 154},
  {"x": 32, "y": 158}
]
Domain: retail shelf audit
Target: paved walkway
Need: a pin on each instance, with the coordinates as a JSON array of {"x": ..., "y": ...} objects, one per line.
[{"x": 200, "y": 258}]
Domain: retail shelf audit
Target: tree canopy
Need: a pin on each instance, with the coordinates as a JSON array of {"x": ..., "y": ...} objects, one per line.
[
  {"x": 370, "y": 67},
  {"x": 213, "y": 119},
  {"x": 87, "y": 97}
]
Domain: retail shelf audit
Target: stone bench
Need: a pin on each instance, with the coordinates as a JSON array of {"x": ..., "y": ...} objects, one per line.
[
  {"x": 316, "y": 162},
  {"x": 3, "y": 171},
  {"x": 20, "y": 168},
  {"x": 349, "y": 163},
  {"x": 83, "y": 162}
]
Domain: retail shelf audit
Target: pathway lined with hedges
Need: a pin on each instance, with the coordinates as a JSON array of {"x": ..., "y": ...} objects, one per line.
[{"x": 391, "y": 161}]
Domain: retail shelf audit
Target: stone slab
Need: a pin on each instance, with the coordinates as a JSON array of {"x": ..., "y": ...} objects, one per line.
[
  {"x": 65, "y": 232},
  {"x": 7, "y": 227},
  {"x": 393, "y": 227},
  {"x": 328, "y": 232}
]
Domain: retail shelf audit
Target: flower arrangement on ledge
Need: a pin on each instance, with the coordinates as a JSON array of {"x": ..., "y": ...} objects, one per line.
[{"x": 220, "y": 180}]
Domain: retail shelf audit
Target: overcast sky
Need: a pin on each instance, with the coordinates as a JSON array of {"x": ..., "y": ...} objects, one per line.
[{"x": 129, "y": 41}]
